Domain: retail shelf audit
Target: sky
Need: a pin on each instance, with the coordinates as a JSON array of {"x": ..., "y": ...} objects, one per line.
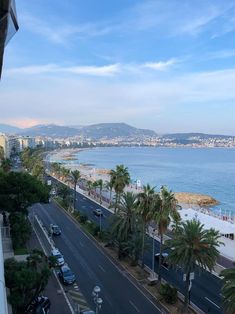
[{"x": 166, "y": 65}]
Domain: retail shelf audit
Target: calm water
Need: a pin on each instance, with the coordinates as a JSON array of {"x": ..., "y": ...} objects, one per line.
[{"x": 208, "y": 171}]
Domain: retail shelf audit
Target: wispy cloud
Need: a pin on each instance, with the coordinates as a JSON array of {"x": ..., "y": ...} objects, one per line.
[
  {"x": 106, "y": 70},
  {"x": 161, "y": 65},
  {"x": 92, "y": 70}
]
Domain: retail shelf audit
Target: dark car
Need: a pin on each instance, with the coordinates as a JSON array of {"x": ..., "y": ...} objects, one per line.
[
  {"x": 54, "y": 229},
  {"x": 98, "y": 212},
  {"x": 164, "y": 258},
  {"x": 40, "y": 305},
  {"x": 66, "y": 275}
]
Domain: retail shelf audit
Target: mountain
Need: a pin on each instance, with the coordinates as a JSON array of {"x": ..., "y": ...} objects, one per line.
[
  {"x": 9, "y": 129},
  {"x": 50, "y": 130},
  {"x": 113, "y": 130},
  {"x": 95, "y": 131}
]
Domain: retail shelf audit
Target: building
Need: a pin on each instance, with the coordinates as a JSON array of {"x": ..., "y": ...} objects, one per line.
[
  {"x": 26, "y": 142},
  {"x": 10, "y": 144},
  {"x": 8, "y": 25}
]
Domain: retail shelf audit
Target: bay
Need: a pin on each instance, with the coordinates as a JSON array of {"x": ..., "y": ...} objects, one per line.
[{"x": 201, "y": 170}]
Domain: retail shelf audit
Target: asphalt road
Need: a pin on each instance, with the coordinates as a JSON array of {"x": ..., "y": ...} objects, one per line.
[
  {"x": 92, "y": 267},
  {"x": 205, "y": 292}
]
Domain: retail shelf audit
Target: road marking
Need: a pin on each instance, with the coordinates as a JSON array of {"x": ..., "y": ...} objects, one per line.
[
  {"x": 102, "y": 268},
  {"x": 212, "y": 303},
  {"x": 61, "y": 287},
  {"x": 81, "y": 243},
  {"x": 103, "y": 253},
  {"x": 134, "y": 306}
]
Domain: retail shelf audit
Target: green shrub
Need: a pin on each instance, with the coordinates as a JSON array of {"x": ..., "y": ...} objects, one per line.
[
  {"x": 168, "y": 293},
  {"x": 83, "y": 218}
]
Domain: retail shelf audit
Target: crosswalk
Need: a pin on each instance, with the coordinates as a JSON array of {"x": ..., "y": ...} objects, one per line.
[{"x": 77, "y": 298}]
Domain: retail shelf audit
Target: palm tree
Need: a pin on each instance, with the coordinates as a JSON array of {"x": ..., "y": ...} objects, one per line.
[
  {"x": 89, "y": 186},
  {"x": 120, "y": 177},
  {"x": 165, "y": 210},
  {"x": 94, "y": 187},
  {"x": 109, "y": 186},
  {"x": 75, "y": 175},
  {"x": 228, "y": 289},
  {"x": 124, "y": 222},
  {"x": 100, "y": 185},
  {"x": 144, "y": 210},
  {"x": 192, "y": 246},
  {"x": 65, "y": 173}
]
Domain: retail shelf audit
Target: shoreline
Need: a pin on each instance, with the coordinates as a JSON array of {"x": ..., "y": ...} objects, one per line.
[{"x": 90, "y": 172}]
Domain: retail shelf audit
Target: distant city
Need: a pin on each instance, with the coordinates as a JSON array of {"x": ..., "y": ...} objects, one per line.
[{"x": 106, "y": 134}]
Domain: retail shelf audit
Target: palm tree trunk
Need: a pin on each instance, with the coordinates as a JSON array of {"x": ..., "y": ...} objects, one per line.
[
  {"x": 110, "y": 196},
  {"x": 143, "y": 244},
  {"x": 160, "y": 259},
  {"x": 186, "y": 297},
  {"x": 74, "y": 195}
]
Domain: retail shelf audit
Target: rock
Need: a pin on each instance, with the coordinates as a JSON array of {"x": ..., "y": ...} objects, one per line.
[{"x": 195, "y": 199}]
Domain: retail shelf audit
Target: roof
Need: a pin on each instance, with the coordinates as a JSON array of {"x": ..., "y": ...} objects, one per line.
[{"x": 224, "y": 227}]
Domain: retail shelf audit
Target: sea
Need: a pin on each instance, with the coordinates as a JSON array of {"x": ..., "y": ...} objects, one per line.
[{"x": 208, "y": 171}]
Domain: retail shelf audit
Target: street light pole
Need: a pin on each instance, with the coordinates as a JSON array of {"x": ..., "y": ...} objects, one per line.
[
  {"x": 97, "y": 300},
  {"x": 100, "y": 224},
  {"x": 153, "y": 256}
]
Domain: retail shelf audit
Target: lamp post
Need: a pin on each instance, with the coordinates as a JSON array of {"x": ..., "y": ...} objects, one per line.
[
  {"x": 100, "y": 224},
  {"x": 152, "y": 278},
  {"x": 97, "y": 300}
]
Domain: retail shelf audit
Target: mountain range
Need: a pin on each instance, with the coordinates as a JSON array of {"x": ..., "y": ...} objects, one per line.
[{"x": 101, "y": 130}]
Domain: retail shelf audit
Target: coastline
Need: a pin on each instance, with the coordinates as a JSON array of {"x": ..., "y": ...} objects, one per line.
[{"x": 89, "y": 172}]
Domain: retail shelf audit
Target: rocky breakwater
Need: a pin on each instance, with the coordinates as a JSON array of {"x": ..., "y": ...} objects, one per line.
[{"x": 195, "y": 199}]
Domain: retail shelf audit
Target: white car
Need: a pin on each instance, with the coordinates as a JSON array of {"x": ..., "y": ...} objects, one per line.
[{"x": 59, "y": 259}]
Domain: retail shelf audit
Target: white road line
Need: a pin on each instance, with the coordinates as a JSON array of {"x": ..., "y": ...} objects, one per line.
[
  {"x": 134, "y": 306},
  {"x": 106, "y": 256},
  {"x": 81, "y": 243},
  {"x": 102, "y": 268},
  {"x": 61, "y": 287},
  {"x": 212, "y": 303}
]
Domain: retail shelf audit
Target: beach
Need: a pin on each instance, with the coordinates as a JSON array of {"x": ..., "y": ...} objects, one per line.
[{"x": 89, "y": 172}]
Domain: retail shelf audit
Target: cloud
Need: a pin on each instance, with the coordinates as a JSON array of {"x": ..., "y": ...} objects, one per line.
[
  {"x": 106, "y": 70},
  {"x": 140, "y": 101},
  {"x": 92, "y": 70},
  {"x": 161, "y": 65}
]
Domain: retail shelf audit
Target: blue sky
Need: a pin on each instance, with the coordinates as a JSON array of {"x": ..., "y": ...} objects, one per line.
[{"x": 167, "y": 65}]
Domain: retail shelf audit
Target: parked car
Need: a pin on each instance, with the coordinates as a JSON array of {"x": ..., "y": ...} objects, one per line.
[
  {"x": 164, "y": 258},
  {"x": 59, "y": 259},
  {"x": 98, "y": 212},
  {"x": 54, "y": 229},
  {"x": 40, "y": 305},
  {"x": 66, "y": 275}
]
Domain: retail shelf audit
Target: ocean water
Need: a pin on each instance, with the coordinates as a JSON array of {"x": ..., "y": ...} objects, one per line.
[{"x": 201, "y": 170}]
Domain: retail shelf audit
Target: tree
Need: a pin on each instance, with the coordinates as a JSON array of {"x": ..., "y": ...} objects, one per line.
[
  {"x": 65, "y": 173},
  {"x": 2, "y": 155},
  {"x": 164, "y": 212},
  {"x": 38, "y": 169},
  {"x": 119, "y": 177},
  {"x": 100, "y": 185},
  {"x": 192, "y": 247},
  {"x": 144, "y": 210},
  {"x": 122, "y": 226},
  {"x": 20, "y": 229},
  {"x": 109, "y": 186},
  {"x": 20, "y": 190},
  {"x": 228, "y": 289},
  {"x": 89, "y": 187},
  {"x": 6, "y": 165},
  {"x": 65, "y": 193},
  {"x": 26, "y": 280},
  {"x": 75, "y": 175}
]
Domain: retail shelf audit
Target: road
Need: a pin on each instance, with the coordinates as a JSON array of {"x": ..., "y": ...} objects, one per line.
[
  {"x": 206, "y": 287},
  {"x": 92, "y": 267}
]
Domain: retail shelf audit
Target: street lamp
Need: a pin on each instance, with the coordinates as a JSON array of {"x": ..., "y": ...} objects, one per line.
[
  {"x": 152, "y": 278},
  {"x": 97, "y": 300}
]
